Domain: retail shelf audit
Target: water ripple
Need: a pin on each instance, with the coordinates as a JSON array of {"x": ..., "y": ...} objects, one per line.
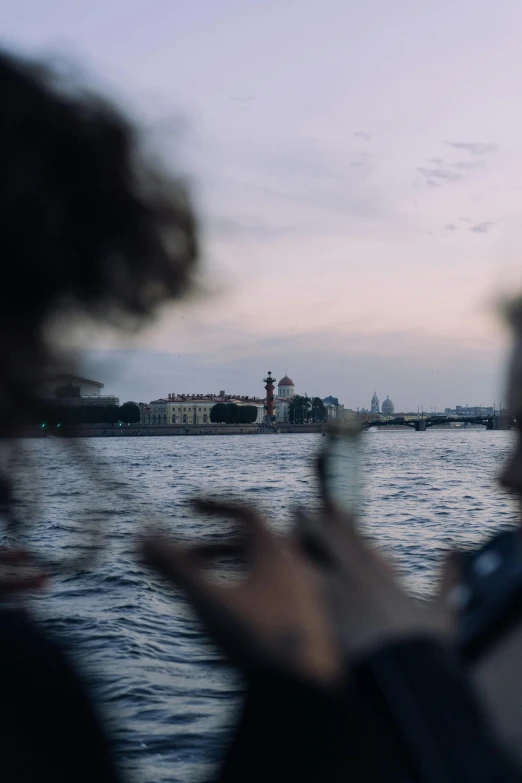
[{"x": 163, "y": 686}]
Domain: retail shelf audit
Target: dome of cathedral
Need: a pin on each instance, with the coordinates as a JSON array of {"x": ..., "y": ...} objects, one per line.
[
  {"x": 388, "y": 406},
  {"x": 286, "y": 381}
]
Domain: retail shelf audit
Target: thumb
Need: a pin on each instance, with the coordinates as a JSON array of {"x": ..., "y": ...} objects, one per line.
[{"x": 450, "y": 576}]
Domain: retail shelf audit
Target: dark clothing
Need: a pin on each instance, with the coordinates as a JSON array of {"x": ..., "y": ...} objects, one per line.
[
  {"x": 49, "y": 730},
  {"x": 413, "y": 717},
  {"x": 406, "y": 715},
  {"x": 288, "y": 731}
]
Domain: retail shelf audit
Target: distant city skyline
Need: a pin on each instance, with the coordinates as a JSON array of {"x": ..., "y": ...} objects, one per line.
[
  {"x": 145, "y": 376},
  {"x": 356, "y": 168}
]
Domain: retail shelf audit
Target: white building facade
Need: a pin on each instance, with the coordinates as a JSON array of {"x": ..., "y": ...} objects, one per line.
[
  {"x": 285, "y": 395},
  {"x": 193, "y": 409}
]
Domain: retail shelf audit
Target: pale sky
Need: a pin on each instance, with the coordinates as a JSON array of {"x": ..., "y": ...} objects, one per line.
[{"x": 358, "y": 170}]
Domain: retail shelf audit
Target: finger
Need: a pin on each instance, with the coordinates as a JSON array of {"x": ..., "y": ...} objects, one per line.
[
  {"x": 178, "y": 564},
  {"x": 320, "y": 470},
  {"x": 334, "y": 545},
  {"x": 333, "y": 511},
  {"x": 214, "y": 603},
  {"x": 230, "y": 548},
  {"x": 328, "y": 503},
  {"x": 262, "y": 540},
  {"x": 311, "y": 538},
  {"x": 450, "y": 575},
  {"x": 447, "y": 601}
]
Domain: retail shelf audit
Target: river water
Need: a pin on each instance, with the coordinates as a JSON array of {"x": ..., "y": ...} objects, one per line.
[{"x": 167, "y": 694}]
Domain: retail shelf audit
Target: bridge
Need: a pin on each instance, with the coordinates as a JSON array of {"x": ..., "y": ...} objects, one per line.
[{"x": 422, "y": 423}]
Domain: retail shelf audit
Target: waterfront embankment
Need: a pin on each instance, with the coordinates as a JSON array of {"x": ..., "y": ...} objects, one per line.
[{"x": 183, "y": 430}]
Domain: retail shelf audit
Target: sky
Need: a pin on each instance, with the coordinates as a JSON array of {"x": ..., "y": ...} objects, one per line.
[{"x": 357, "y": 169}]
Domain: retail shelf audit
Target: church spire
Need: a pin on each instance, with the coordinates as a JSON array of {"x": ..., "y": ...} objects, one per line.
[{"x": 375, "y": 408}]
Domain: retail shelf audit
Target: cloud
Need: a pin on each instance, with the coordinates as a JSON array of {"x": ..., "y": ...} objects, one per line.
[
  {"x": 438, "y": 161},
  {"x": 363, "y": 135},
  {"x": 468, "y": 165},
  {"x": 481, "y": 228},
  {"x": 451, "y": 227},
  {"x": 446, "y": 174},
  {"x": 474, "y": 147},
  {"x": 432, "y": 183}
]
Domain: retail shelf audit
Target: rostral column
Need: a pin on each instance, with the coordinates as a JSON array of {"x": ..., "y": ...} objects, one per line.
[{"x": 269, "y": 395}]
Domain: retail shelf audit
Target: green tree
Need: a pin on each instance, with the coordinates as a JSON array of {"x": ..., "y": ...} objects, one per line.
[
  {"x": 251, "y": 414},
  {"x": 111, "y": 414},
  {"x": 97, "y": 414},
  {"x": 130, "y": 413},
  {"x": 54, "y": 414},
  {"x": 319, "y": 412},
  {"x": 247, "y": 414},
  {"x": 93, "y": 414},
  {"x": 299, "y": 409},
  {"x": 232, "y": 413},
  {"x": 218, "y": 413}
]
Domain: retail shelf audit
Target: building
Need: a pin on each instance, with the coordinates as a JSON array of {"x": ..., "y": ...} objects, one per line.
[
  {"x": 469, "y": 411},
  {"x": 79, "y": 386},
  {"x": 193, "y": 409},
  {"x": 285, "y": 395},
  {"x": 388, "y": 408},
  {"x": 286, "y": 387},
  {"x": 333, "y": 408},
  {"x": 375, "y": 408},
  {"x": 68, "y": 389}
]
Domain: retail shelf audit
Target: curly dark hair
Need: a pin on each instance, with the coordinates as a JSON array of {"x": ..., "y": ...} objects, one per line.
[
  {"x": 87, "y": 227},
  {"x": 85, "y": 222}
]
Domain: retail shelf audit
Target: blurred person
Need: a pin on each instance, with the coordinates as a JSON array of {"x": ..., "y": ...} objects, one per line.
[
  {"x": 346, "y": 678},
  {"x": 88, "y": 228},
  {"x": 497, "y": 674}
]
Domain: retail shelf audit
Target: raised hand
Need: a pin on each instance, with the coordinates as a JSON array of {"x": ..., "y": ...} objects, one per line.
[
  {"x": 369, "y": 604},
  {"x": 276, "y": 618}
]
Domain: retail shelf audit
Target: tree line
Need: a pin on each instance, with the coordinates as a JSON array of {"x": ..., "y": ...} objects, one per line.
[
  {"x": 304, "y": 410},
  {"x": 59, "y": 415},
  {"x": 231, "y": 413}
]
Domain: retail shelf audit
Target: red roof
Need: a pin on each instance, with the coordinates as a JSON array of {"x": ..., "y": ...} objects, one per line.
[{"x": 286, "y": 381}]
